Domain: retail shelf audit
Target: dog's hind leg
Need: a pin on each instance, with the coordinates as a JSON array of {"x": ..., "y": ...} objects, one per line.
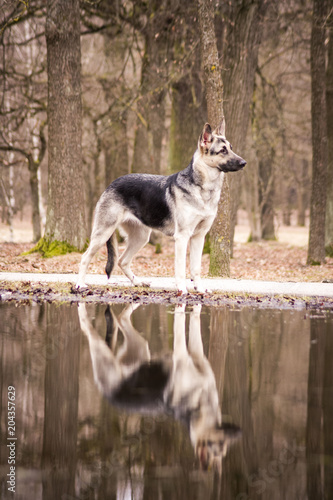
[
  {"x": 98, "y": 238},
  {"x": 106, "y": 368},
  {"x": 135, "y": 348},
  {"x": 137, "y": 237}
]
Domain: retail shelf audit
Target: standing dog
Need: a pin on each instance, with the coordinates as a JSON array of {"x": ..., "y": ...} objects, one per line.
[{"x": 181, "y": 205}]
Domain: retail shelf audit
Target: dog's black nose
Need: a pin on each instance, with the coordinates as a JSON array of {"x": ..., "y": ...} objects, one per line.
[{"x": 243, "y": 163}]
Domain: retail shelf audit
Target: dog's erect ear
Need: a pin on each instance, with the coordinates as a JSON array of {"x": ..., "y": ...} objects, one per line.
[
  {"x": 220, "y": 130},
  {"x": 206, "y": 137}
]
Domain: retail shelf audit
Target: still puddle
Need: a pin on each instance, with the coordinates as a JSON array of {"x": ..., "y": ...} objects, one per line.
[{"x": 156, "y": 402}]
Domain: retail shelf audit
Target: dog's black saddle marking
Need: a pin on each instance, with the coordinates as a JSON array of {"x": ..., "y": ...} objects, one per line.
[{"x": 145, "y": 196}]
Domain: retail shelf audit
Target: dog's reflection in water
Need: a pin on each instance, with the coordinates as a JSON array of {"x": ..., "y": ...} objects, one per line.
[{"x": 182, "y": 384}]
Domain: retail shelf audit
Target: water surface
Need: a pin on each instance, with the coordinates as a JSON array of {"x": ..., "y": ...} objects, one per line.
[{"x": 128, "y": 410}]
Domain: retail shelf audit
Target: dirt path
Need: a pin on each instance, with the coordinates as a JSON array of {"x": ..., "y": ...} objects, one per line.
[
  {"x": 271, "y": 261},
  {"x": 278, "y": 261}
]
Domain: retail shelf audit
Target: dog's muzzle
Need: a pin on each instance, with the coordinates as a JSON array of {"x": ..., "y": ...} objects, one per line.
[{"x": 232, "y": 166}]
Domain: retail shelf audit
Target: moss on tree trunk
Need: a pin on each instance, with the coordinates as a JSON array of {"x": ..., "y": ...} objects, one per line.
[
  {"x": 51, "y": 248},
  {"x": 219, "y": 237}
]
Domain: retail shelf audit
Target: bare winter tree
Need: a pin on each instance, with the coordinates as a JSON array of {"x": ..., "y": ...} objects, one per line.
[
  {"x": 238, "y": 41},
  {"x": 23, "y": 102},
  {"x": 239, "y": 33},
  {"x": 316, "y": 249},
  {"x": 220, "y": 231},
  {"x": 65, "y": 220},
  {"x": 329, "y": 107},
  {"x": 278, "y": 178},
  {"x": 158, "y": 35},
  {"x": 188, "y": 104}
]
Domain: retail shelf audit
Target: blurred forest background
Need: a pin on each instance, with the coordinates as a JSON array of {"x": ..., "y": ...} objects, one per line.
[{"x": 144, "y": 105}]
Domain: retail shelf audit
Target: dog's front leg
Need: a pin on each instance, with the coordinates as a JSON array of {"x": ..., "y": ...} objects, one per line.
[
  {"x": 196, "y": 247},
  {"x": 181, "y": 242}
]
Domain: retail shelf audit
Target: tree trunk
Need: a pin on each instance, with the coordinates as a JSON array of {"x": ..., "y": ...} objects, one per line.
[
  {"x": 302, "y": 193},
  {"x": 250, "y": 188},
  {"x": 35, "y": 187},
  {"x": 316, "y": 249},
  {"x": 151, "y": 104},
  {"x": 240, "y": 58},
  {"x": 66, "y": 208},
  {"x": 329, "y": 107},
  {"x": 9, "y": 202},
  {"x": 220, "y": 232},
  {"x": 266, "y": 195},
  {"x": 187, "y": 111},
  {"x": 188, "y": 103},
  {"x": 36, "y": 156},
  {"x": 10, "y": 197},
  {"x": 114, "y": 140},
  {"x": 115, "y": 152},
  {"x": 239, "y": 52},
  {"x": 36, "y": 221},
  {"x": 265, "y": 117}
]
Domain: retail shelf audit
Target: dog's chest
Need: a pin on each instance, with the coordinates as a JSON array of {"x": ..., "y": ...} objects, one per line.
[
  {"x": 205, "y": 200},
  {"x": 210, "y": 197},
  {"x": 196, "y": 211}
]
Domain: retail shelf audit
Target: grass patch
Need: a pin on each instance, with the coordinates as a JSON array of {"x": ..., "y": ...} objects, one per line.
[{"x": 48, "y": 248}]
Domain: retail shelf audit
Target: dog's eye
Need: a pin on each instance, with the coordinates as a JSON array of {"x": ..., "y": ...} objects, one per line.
[{"x": 223, "y": 151}]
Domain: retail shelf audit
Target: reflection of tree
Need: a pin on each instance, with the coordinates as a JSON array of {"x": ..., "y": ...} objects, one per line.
[
  {"x": 328, "y": 412},
  {"x": 236, "y": 400},
  {"x": 319, "y": 427},
  {"x": 61, "y": 404},
  {"x": 250, "y": 369}
]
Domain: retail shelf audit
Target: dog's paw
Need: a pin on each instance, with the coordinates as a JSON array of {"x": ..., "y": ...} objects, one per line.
[
  {"x": 196, "y": 309},
  {"x": 203, "y": 290},
  {"x": 80, "y": 285},
  {"x": 198, "y": 287},
  {"x": 144, "y": 284},
  {"x": 137, "y": 282},
  {"x": 181, "y": 287}
]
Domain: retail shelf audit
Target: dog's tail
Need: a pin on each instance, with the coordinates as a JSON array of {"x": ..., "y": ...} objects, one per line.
[{"x": 112, "y": 247}]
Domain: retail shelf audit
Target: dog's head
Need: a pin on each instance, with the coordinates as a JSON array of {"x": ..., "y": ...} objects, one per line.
[
  {"x": 214, "y": 444},
  {"x": 216, "y": 151}
]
